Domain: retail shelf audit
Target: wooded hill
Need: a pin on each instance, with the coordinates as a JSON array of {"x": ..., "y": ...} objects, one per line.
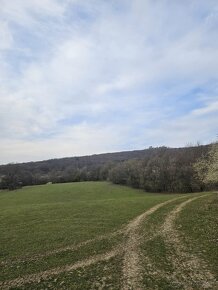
[{"x": 159, "y": 169}]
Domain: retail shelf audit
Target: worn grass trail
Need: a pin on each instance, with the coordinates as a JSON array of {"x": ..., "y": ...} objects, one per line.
[
  {"x": 38, "y": 277},
  {"x": 169, "y": 263},
  {"x": 131, "y": 271},
  {"x": 136, "y": 268},
  {"x": 189, "y": 269}
]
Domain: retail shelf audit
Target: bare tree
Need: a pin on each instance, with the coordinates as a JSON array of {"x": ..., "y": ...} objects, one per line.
[{"x": 207, "y": 166}]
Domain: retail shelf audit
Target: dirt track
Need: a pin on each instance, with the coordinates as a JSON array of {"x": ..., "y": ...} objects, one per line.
[
  {"x": 132, "y": 271},
  {"x": 188, "y": 268}
]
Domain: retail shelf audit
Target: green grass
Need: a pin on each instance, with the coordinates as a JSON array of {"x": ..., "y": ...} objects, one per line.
[
  {"x": 104, "y": 275},
  {"x": 37, "y": 219},
  {"x": 199, "y": 231},
  {"x": 40, "y": 218},
  {"x": 156, "y": 252},
  {"x": 197, "y": 228}
]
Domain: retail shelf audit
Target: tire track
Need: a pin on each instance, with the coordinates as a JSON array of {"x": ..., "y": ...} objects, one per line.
[
  {"x": 132, "y": 269},
  {"x": 74, "y": 247},
  {"x": 128, "y": 230},
  {"x": 189, "y": 270},
  {"x": 38, "y": 277}
]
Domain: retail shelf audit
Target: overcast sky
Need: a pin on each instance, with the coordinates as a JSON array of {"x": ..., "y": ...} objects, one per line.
[{"x": 82, "y": 77}]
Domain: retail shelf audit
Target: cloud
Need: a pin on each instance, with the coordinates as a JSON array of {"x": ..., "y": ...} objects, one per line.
[
  {"x": 81, "y": 139},
  {"x": 144, "y": 69},
  {"x": 211, "y": 107},
  {"x": 24, "y": 12},
  {"x": 6, "y": 37}
]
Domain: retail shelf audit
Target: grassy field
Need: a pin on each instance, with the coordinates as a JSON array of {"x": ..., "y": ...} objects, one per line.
[{"x": 96, "y": 235}]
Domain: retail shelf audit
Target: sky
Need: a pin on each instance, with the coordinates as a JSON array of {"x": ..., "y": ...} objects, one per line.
[{"x": 85, "y": 77}]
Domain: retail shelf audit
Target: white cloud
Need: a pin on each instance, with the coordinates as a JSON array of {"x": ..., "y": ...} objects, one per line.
[
  {"x": 6, "y": 37},
  {"x": 82, "y": 139},
  {"x": 208, "y": 109},
  {"x": 117, "y": 64},
  {"x": 198, "y": 125},
  {"x": 25, "y": 12}
]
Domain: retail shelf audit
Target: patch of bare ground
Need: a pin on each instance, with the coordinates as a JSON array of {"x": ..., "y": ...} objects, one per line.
[
  {"x": 38, "y": 277},
  {"x": 132, "y": 269},
  {"x": 74, "y": 247},
  {"x": 190, "y": 271}
]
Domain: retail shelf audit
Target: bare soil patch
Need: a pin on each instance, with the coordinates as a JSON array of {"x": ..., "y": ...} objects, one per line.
[{"x": 189, "y": 270}]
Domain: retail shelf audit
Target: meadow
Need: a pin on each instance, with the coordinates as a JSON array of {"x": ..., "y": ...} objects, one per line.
[{"x": 97, "y": 235}]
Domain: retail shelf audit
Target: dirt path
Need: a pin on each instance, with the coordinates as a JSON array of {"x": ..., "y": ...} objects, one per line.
[
  {"x": 73, "y": 247},
  {"x": 38, "y": 277},
  {"x": 131, "y": 259},
  {"x": 189, "y": 270},
  {"x": 132, "y": 271}
]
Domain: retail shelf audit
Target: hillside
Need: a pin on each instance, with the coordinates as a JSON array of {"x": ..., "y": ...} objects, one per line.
[
  {"x": 154, "y": 169},
  {"x": 96, "y": 235}
]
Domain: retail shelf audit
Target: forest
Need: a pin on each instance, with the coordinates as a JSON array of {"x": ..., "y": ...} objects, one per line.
[{"x": 161, "y": 169}]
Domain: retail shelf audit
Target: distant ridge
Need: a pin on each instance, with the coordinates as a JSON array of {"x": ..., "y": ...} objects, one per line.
[
  {"x": 105, "y": 166},
  {"x": 111, "y": 156}
]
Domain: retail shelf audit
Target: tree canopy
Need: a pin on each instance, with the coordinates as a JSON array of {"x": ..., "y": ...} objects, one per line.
[
  {"x": 207, "y": 166},
  {"x": 159, "y": 169}
]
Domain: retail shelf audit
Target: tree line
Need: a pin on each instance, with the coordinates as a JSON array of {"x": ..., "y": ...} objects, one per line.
[{"x": 161, "y": 169}]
